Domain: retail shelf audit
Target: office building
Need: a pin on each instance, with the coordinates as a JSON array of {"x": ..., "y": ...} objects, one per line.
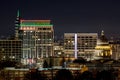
[
  {"x": 10, "y": 50},
  {"x": 38, "y": 39},
  {"x": 58, "y": 49},
  {"x": 11, "y": 47},
  {"x": 80, "y": 44}
]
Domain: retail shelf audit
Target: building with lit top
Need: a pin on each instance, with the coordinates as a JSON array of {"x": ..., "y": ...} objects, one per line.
[
  {"x": 38, "y": 38},
  {"x": 103, "y": 49},
  {"x": 80, "y": 44}
]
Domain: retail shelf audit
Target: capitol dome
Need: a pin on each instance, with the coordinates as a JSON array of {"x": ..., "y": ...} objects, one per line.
[{"x": 103, "y": 49}]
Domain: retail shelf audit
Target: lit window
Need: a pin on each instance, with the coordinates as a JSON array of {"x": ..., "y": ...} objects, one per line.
[
  {"x": 27, "y": 28},
  {"x": 86, "y": 43},
  {"x": 59, "y": 53},
  {"x": 31, "y": 28},
  {"x": 68, "y": 41},
  {"x": 55, "y": 49}
]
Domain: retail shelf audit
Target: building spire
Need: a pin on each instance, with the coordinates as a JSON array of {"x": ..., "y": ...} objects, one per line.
[
  {"x": 18, "y": 13},
  {"x": 17, "y": 25},
  {"x": 102, "y": 33}
]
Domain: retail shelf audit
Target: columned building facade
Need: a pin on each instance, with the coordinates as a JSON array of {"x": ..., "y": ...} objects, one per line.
[{"x": 38, "y": 39}]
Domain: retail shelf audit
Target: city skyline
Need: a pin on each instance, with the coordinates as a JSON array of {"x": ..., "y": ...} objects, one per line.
[{"x": 66, "y": 16}]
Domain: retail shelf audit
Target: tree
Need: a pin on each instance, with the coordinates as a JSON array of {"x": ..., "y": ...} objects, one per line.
[
  {"x": 80, "y": 61},
  {"x": 34, "y": 74},
  {"x": 7, "y": 63},
  {"x": 69, "y": 60},
  {"x": 77, "y": 75},
  {"x": 63, "y": 74},
  {"x": 45, "y": 64},
  {"x": 63, "y": 62},
  {"x": 105, "y": 75},
  {"x": 51, "y": 62},
  {"x": 87, "y": 76}
]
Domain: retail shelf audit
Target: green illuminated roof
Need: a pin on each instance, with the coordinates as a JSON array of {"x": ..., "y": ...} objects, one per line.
[
  {"x": 34, "y": 23},
  {"x": 22, "y": 25},
  {"x": 37, "y": 23}
]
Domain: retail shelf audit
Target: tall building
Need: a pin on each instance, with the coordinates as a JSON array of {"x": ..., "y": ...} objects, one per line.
[
  {"x": 38, "y": 39},
  {"x": 80, "y": 44}
]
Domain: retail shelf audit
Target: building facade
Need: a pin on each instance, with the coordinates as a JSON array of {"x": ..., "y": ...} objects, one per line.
[
  {"x": 115, "y": 46},
  {"x": 12, "y": 73},
  {"x": 103, "y": 49},
  {"x": 38, "y": 39},
  {"x": 11, "y": 50},
  {"x": 58, "y": 49},
  {"x": 82, "y": 43}
]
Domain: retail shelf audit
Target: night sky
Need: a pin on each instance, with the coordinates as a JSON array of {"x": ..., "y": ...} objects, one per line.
[{"x": 66, "y": 15}]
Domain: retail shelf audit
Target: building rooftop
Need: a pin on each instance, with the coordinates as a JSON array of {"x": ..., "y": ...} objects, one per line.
[{"x": 35, "y": 23}]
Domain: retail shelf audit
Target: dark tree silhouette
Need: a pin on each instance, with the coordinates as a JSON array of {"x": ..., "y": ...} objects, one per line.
[
  {"x": 45, "y": 64},
  {"x": 87, "y": 76},
  {"x": 77, "y": 75},
  {"x": 51, "y": 62},
  {"x": 7, "y": 63},
  {"x": 62, "y": 62},
  {"x": 79, "y": 61},
  {"x": 34, "y": 74},
  {"x": 69, "y": 60},
  {"x": 63, "y": 74},
  {"x": 104, "y": 75}
]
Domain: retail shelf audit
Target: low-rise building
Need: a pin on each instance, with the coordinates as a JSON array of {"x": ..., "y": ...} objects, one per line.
[{"x": 11, "y": 49}]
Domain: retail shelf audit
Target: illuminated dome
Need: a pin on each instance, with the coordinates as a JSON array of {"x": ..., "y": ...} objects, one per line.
[
  {"x": 102, "y": 37},
  {"x": 103, "y": 49},
  {"x": 102, "y": 41}
]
